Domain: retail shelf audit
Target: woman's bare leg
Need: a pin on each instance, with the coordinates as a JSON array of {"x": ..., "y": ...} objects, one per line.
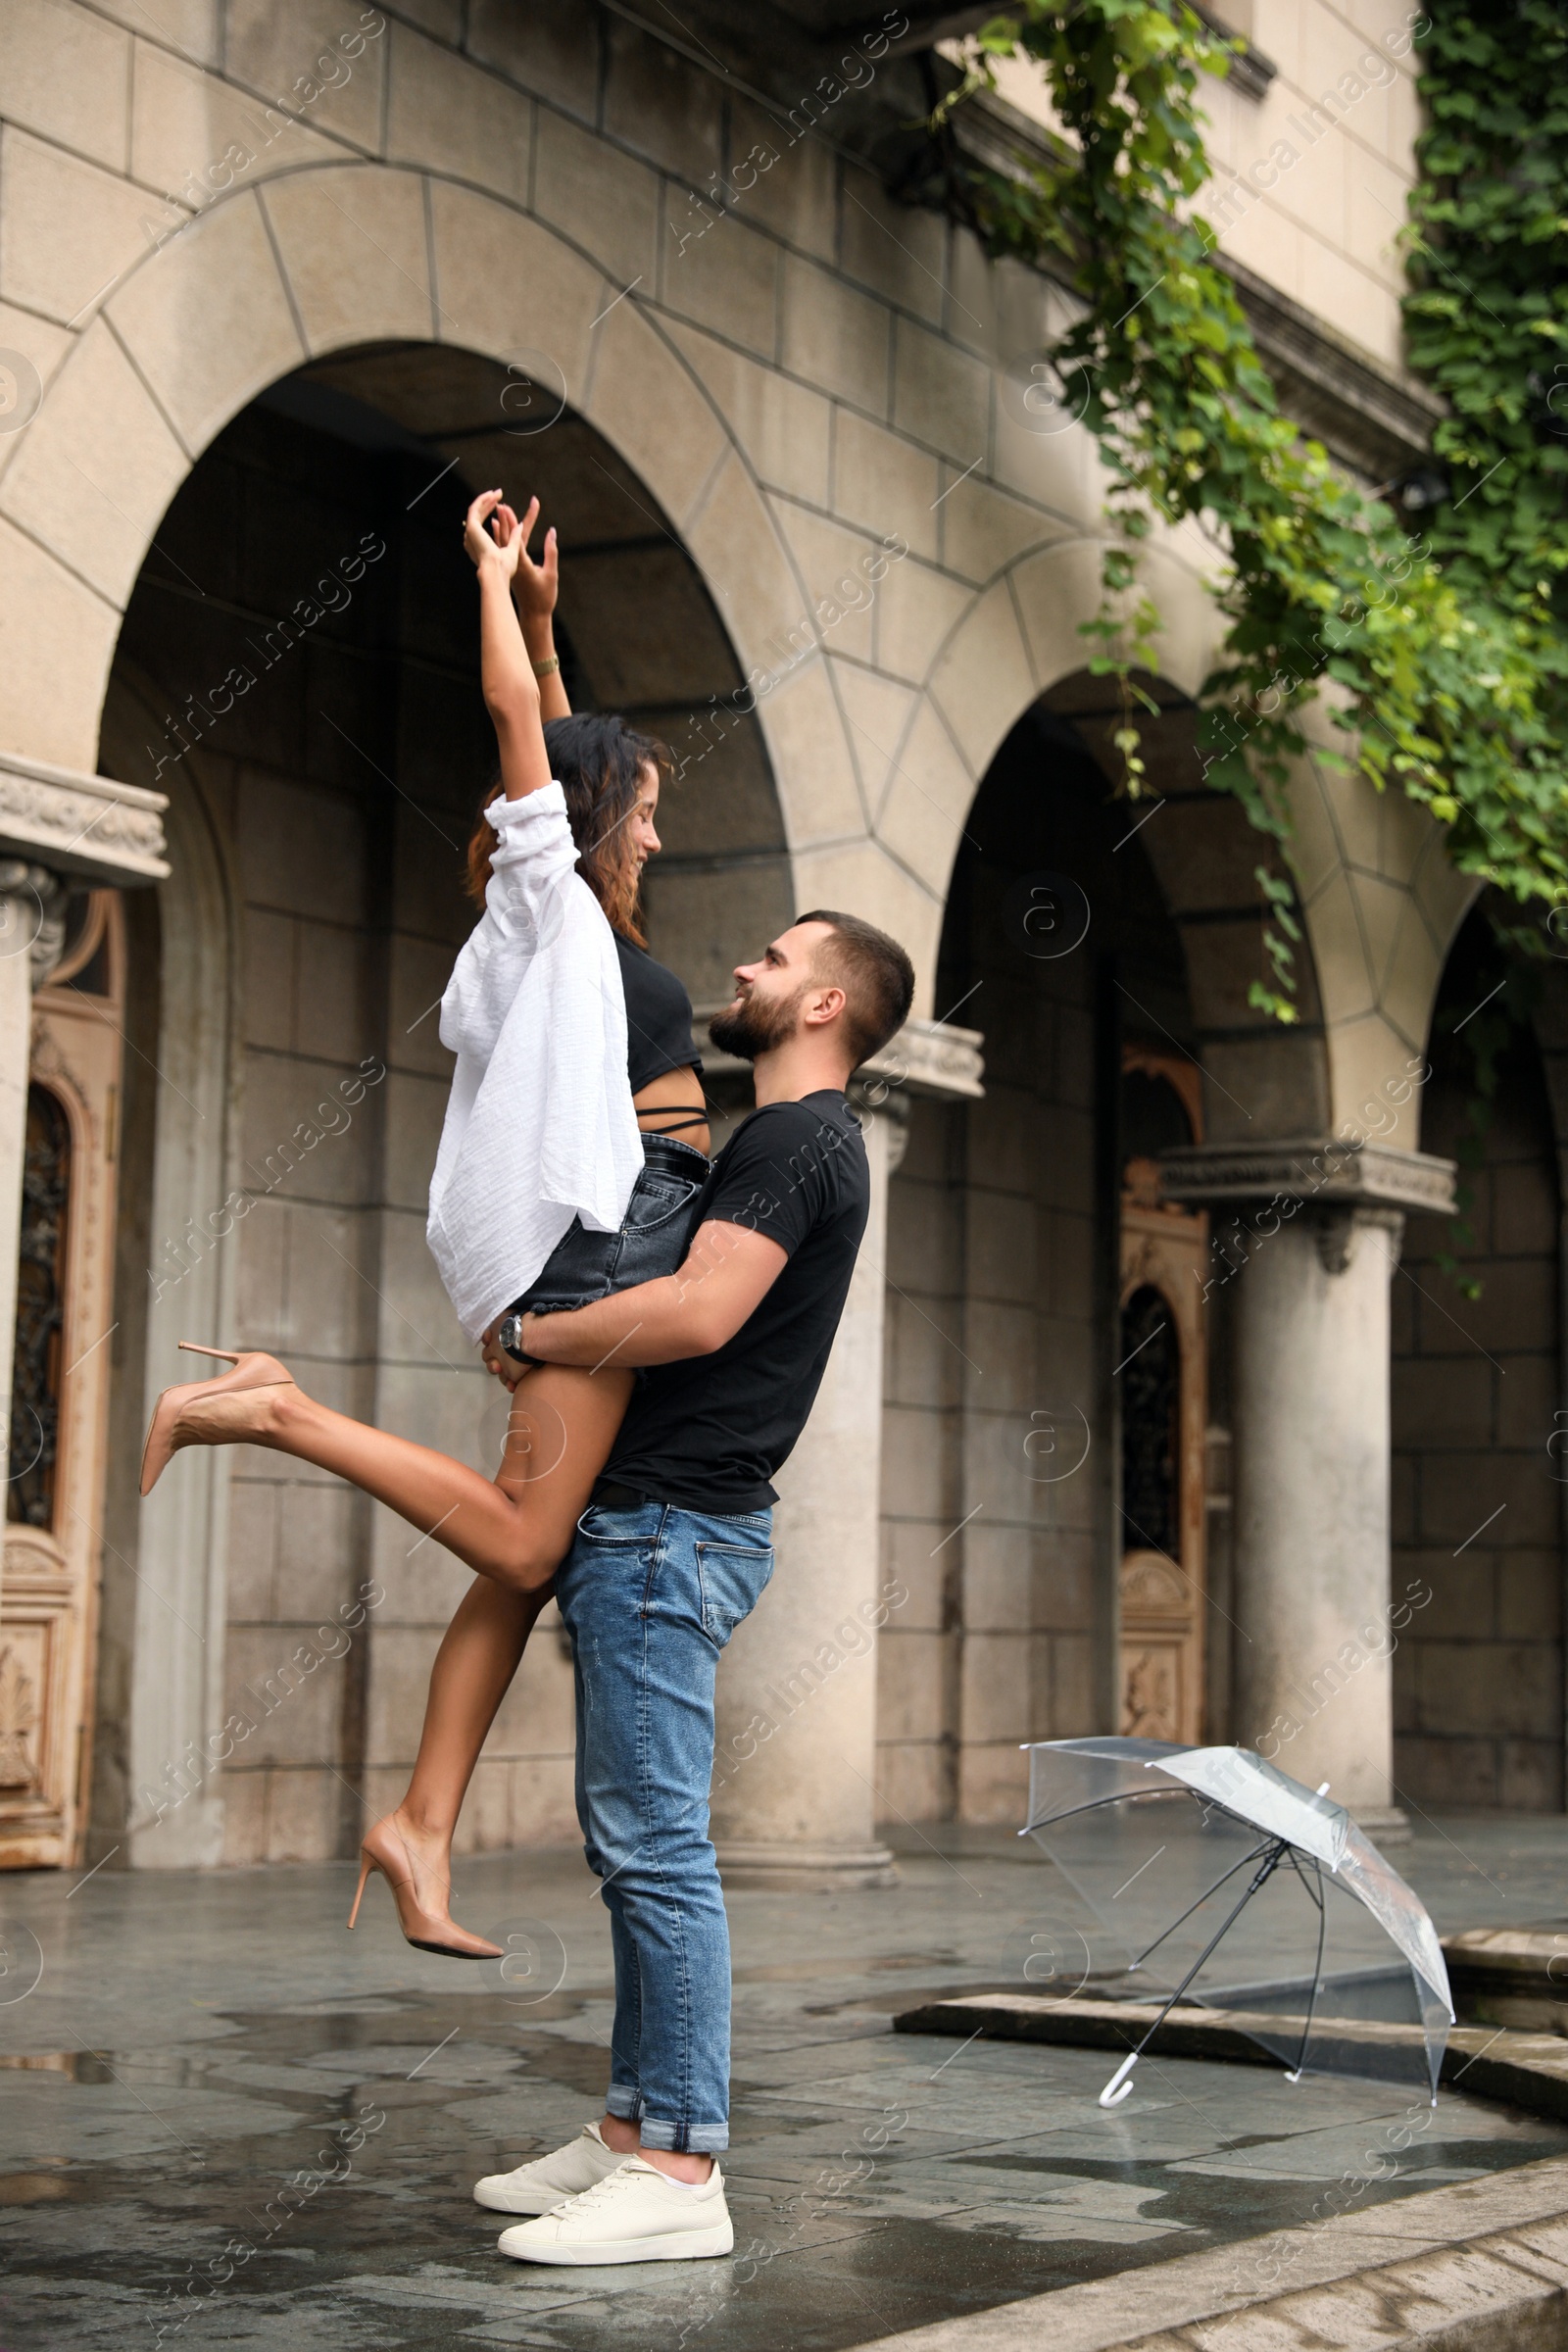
[
  {"x": 480, "y": 1655},
  {"x": 515, "y": 1528},
  {"x": 557, "y": 1439},
  {"x": 516, "y": 1532}
]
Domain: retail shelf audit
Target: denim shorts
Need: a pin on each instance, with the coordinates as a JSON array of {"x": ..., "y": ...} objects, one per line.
[{"x": 651, "y": 1240}]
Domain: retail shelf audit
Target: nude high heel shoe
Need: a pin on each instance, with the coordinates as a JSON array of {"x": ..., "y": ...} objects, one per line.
[
  {"x": 385, "y": 1851},
  {"x": 252, "y": 1370}
]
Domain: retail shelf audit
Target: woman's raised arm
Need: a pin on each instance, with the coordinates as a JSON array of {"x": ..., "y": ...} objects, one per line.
[
  {"x": 510, "y": 689},
  {"x": 534, "y": 588}
]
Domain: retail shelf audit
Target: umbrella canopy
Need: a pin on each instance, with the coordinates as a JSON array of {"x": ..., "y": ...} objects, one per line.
[{"x": 1223, "y": 1880}]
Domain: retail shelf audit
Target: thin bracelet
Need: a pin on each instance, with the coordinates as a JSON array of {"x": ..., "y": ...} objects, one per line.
[{"x": 542, "y": 670}]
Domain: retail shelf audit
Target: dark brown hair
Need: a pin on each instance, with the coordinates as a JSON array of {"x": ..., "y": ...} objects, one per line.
[
  {"x": 875, "y": 974},
  {"x": 599, "y": 763}
]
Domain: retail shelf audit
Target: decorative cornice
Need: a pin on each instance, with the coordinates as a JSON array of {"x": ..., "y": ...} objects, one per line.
[
  {"x": 90, "y": 827},
  {"x": 1250, "y": 71},
  {"x": 932, "y": 1057},
  {"x": 1368, "y": 419},
  {"x": 1378, "y": 424},
  {"x": 928, "y": 1058},
  {"x": 1323, "y": 1168}
]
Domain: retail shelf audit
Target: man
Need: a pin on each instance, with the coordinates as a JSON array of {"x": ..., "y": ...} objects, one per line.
[{"x": 673, "y": 1553}]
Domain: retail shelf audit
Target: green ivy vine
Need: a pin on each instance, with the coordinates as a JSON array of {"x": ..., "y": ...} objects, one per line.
[{"x": 1443, "y": 652}]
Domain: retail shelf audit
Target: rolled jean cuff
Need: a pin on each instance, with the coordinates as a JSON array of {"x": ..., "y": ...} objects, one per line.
[
  {"x": 624, "y": 2100},
  {"x": 690, "y": 2139}
]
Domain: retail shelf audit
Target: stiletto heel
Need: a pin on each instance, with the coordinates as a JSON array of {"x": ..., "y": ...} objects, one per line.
[
  {"x": 382, "y": 1850},
  {"x": 367, "y": 1865},
  {"x": 252, "y": 1370}
]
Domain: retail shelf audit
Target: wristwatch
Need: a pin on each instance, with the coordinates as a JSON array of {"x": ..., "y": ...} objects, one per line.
[{"x": 510, "y": 1338}]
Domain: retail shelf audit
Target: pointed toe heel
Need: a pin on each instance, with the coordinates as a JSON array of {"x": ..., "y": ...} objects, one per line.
[
  {"x": 421, "y": 1927},
  {"x": 251, "y": 1370}
]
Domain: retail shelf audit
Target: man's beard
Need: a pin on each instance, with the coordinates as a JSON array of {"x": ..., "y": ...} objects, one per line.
[{"x": 755, "y": 1024}]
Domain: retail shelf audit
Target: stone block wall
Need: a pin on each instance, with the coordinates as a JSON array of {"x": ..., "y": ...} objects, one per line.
[
  {"x": 1477, "y": 1505},
  {"x": 1311, "y": 167}
]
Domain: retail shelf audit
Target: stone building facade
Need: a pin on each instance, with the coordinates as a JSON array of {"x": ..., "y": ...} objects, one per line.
[{"x": 1106, "y": 1438}]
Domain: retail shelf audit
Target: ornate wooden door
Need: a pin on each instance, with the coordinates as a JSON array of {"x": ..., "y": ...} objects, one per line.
[
  {"x": 60, "y": 1396},
  {"x": 1162, "y": 1377}
]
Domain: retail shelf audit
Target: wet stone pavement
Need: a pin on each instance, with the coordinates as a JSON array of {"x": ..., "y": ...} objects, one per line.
[{"x": 224, "y": 2122}]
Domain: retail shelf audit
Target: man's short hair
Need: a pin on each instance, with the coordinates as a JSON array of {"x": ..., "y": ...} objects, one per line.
[{"x": 875, "y": 974}]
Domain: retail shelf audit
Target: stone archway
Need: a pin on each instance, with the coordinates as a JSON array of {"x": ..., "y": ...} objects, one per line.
[
  {"x": 261, "y": 995},
  {"x": 270, "y": 279},
  {"x": 1010, "y": 1261}
]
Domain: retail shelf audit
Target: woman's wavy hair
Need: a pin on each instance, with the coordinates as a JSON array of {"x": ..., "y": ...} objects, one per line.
[{"x": 598, "y": 763}]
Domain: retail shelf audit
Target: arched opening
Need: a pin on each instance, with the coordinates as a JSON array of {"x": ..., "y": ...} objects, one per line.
[
  {"x": 1022, "y": 1229},
  {"x": 1476, "y": 1584},
  {"x": 298, "y": 670}
]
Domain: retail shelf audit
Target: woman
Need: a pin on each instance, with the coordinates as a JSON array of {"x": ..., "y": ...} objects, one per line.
[{"x": 554, "y": 1002}]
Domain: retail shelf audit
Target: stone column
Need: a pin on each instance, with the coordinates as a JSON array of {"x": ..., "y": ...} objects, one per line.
[
  {"x": 795, "y": 1801},
  {"x": 1313, "y": 1236}
]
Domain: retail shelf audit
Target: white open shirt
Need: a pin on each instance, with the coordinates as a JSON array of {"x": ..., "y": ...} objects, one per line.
[{"x": 539, "y": 1126}]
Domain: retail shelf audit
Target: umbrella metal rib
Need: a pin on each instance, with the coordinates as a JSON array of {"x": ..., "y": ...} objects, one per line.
[
  {"x": 1119, "y": 2086},
  {"x": 1201, "y": 1899}
]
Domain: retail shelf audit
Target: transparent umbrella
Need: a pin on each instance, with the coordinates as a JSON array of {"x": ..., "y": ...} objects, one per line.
[{"x": 1225, "y": 1882}]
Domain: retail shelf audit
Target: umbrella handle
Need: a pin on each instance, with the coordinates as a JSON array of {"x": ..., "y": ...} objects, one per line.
[{"x": 1119, "y": 2088}]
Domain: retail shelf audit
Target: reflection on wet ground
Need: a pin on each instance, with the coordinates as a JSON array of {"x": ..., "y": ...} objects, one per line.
[{"x": 225, "y": 2122}]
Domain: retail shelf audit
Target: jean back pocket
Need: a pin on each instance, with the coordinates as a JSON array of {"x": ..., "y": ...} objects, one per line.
[{"x": 733, "y": 1580}]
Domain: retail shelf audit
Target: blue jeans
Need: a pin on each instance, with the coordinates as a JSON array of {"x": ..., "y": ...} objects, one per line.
[{"x": 650, "y": 1596}]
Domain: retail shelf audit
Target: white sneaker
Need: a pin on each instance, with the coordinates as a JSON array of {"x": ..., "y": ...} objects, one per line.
[
  {"x": 540, "y": 2186},
  {"x": 635, "y": 2214}
]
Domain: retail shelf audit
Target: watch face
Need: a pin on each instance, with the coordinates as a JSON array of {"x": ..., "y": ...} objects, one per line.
[{"x": 509, "y": 1336}]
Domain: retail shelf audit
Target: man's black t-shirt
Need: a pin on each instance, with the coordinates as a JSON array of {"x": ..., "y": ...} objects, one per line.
[{"x": 707, "y": 1433}]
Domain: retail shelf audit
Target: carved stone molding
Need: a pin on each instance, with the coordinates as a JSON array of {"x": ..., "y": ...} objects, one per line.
[
  {"x": 926, "y": 1057},
  {"x": 932, "y": 1057},
  {"x": 878, "y": 1099},
  {"x": 32, "y": 920},
  {"x": 1337, "y": 1230},
  {"x": 86, "y": 826},
  {"x": 1308, "y": 1168}
]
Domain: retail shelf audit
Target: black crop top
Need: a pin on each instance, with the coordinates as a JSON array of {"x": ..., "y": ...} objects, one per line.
[{"x": 658, "y": 1018}]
